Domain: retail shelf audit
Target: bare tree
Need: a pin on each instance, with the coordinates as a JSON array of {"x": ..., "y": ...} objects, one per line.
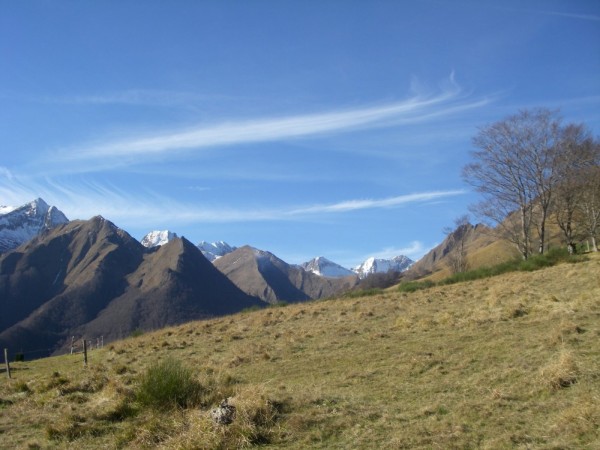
[
  {"x": 457, "y": 256},
  {"x": 516, "y": 169},
  {"x": 578, "y": 155},
  {"x": 589, "y": 205},
  {"x": 542, "y": 136}
]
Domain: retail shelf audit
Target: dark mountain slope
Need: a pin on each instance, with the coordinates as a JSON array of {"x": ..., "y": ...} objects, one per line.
[
  {"x": 80, "y": 265},
  {"x": 262, "y": 274},
  {"x": 92, "y": 278},
  {"x": 174, "y": 284}
]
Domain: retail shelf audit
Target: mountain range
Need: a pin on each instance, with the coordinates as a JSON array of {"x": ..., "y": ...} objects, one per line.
[
  {"x": 211, "y": 250},
  {"x": 320, "y": 265},
  {"x": 61, "y": 278},
  {"x": 262, "y": 274},
  {"x": 90, "y": 278}
]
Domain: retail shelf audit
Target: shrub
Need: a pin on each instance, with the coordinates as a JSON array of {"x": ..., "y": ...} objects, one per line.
[
  {"x": 250, "y": 309},
  {"x": 136, "y": 333},
  {"x": 363, "y": 293},
  {"x": 168, "y": 384},
  {"x": 413, "y": 286}
]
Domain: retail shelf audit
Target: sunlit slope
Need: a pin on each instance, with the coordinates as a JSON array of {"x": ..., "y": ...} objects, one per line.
[{"x": 505, "y": 362}]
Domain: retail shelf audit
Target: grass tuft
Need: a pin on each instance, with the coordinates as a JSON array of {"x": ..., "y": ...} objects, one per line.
[
  {"x": 169, "y": 384},
  {"x": 562, "y": 372}
]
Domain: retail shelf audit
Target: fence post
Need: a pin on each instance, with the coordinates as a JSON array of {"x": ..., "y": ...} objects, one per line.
[
  {"x": 7, "y": 363},
  {"x": 84, "y": 353}
]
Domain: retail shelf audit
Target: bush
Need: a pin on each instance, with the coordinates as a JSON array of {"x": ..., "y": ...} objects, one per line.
[
  {"x": 363, "y": 293},
  {"x": 136, "y": 333},
  {"x": 413, "y": 286},
  {"x": 169, "y": 384},
  {"x": 250, "y": 309}
]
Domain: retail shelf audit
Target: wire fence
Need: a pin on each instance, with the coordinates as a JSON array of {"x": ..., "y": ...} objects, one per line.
[{"x": 79, "y": 346}]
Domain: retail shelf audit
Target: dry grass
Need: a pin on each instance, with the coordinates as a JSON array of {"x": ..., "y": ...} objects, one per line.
[{"x": 505, "y": 362}]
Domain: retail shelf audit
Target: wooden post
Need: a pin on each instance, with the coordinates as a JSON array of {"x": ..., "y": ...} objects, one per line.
[
  {"x": 7, "y": 363},
  {"x": 84, "y": 353}
]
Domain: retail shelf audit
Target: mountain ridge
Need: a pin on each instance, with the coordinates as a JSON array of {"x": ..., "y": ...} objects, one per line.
[
  {"x": 91, "y": 278},
  {"x": 326, "y": 268},
  {"x": 20, "y": 224},
  {"x": 373, "y": 265},
  {"x": 262, "y": 274}
]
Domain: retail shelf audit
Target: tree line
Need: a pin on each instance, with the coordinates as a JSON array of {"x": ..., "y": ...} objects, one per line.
[{"x": 530, "y": 168}]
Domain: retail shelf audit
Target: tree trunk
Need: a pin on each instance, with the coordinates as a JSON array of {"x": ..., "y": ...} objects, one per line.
[
  {"x": 525, "y": 235},
  {"x": 542, "y": 232}
]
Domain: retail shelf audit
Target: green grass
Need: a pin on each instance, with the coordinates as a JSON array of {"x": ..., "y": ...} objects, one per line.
[
  {"x": 363, "y": 293},
  {"x": 536, "y": 262},
  {"x": 413, "y": 286}
]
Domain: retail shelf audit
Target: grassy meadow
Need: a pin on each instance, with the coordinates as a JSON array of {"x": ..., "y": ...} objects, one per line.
[{"x": 511, "y": 361}]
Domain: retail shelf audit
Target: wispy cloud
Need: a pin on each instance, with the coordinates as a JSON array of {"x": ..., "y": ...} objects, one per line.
[
  {"x": 86, "y": 199},
  {"x": 591, "y": 17},
  {"x": 131, "y": 97},
  {"x": 353, "y": 205},
  {"x": 565, "y": 14},
  {"x": 135, "y": 149}
]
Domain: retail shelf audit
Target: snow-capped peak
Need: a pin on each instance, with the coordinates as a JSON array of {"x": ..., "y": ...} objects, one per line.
[
  {"x": 379, "y": 265},
  {"x": 157, "y": 238},
  {"x": 19, "y": 225},
  {"x": 214, "y": 250},
  {"x": 325, "y": 268}
]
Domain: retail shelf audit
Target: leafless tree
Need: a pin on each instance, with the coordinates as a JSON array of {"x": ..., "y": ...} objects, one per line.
[
  {"x": 579, "y": 154},
  {"x": 589, "y": 205},
  {"x": 516, "y": 169},
  {"x": 457, "y": 256}
]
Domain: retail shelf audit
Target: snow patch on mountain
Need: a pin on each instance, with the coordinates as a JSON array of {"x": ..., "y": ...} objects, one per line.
[
  {"x": 158, "y": 238},
  {"x": 378, "y": 265},
  {"x": 19, "y": 225},
  {"x": 214, "y": 250},
  {"x": 325, "y": 268}
]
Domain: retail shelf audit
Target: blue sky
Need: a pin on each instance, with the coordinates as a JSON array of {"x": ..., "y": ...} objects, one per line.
[{"x": 306, "y": 128}]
